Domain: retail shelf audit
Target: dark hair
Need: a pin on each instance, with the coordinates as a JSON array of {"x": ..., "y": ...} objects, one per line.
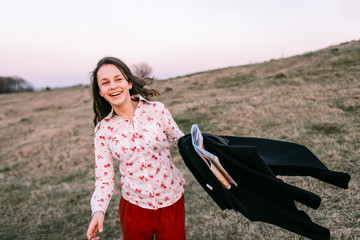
[{"x": 102, "y": 107}]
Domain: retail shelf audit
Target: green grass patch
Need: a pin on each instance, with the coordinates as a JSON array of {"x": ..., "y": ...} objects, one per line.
[
  {"x": 233, "y": 81},
  {"x": 201, "y": 119}
]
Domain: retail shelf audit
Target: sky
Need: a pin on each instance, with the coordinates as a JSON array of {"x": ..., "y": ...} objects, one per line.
[{"x": 57, "y": 43}]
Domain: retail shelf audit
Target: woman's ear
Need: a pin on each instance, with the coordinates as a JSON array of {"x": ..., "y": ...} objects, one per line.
[
  {"x": 130, "y": 85},
  {"x": 101, "y": 93}
]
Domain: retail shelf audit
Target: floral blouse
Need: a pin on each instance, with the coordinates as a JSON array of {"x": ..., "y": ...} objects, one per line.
[{"x": 149, "y": 178}]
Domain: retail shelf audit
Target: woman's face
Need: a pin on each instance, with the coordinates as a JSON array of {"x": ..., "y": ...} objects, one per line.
[{"x": 113, "y": 85}]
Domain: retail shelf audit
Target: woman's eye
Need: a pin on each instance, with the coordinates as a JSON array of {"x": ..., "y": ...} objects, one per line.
[
  {"x": 119, "y": 79},
  {"x": 104, "y": 83}
]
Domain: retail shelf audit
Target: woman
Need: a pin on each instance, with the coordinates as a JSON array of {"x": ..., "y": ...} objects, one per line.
[{"x": 135, "y": 131}]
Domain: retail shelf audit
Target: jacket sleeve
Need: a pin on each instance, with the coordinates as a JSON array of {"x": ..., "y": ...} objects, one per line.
[{"x": 104, "y": 173}]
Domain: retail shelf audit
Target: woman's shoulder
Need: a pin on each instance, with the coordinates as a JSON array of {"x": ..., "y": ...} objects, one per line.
[
  {"x": 155, "y": 105},
  {"x": 152, "y": 103},
  {"x": 98, "y": 126},
  {"x": 104, "y": 123}
]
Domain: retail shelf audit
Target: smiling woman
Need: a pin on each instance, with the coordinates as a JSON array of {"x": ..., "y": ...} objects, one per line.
[
  {"x": 101, "y": 105},
  {"x": 135, "y": 131}
]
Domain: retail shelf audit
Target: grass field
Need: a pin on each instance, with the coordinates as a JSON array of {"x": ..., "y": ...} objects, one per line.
[{"x": 47, "y": 162}]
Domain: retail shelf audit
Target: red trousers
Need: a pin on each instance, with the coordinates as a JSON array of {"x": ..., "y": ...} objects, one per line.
[{"x": 138, "y": 223}]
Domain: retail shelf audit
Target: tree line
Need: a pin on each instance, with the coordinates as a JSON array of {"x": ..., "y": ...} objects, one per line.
[{"x": 14, "y": 84}]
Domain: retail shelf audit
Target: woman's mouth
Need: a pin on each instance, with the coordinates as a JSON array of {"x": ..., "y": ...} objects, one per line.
[{"x": 115, "y": 94}]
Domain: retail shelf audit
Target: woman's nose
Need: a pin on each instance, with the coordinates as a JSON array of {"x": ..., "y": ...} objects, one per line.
[{"x": 112, "y": 84}]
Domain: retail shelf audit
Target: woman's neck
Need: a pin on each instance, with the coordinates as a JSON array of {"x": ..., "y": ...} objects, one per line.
[{"x": 128, "y": 110}]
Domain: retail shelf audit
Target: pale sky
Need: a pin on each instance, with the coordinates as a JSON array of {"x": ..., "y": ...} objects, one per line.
[{"x": 57, "y": 43}]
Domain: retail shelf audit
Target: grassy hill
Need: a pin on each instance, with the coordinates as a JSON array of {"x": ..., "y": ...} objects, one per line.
[{"x": 47, "y": 163}]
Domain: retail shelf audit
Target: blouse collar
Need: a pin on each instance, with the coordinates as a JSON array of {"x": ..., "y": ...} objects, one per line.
[{"x": 134, "y": 98}]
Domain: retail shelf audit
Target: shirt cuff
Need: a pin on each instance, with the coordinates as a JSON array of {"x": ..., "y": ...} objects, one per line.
[{"x": 96, "y": 212}]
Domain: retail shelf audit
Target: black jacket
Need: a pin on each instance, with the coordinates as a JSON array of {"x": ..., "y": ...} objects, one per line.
[{"x": 260, "y": 196}]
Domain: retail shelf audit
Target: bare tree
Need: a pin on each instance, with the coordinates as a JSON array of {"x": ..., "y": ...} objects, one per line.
[
  {"x": 14, "y": 84},
  {"x": 142, "y": 70}
]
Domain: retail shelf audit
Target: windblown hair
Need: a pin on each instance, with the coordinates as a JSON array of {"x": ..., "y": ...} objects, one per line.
[{"x": 102, "y": 107}]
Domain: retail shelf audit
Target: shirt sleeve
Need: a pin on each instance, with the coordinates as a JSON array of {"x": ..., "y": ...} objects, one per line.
[
  {"x": 173, "y": 132},
  {"x": 104, "y": 173}
]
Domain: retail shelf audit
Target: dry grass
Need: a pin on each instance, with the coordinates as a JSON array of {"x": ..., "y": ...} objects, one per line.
[{"x": 47, "y": 174}]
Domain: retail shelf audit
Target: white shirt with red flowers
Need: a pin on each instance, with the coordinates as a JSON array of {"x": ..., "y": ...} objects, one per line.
[{"x": 149, "y": 177}]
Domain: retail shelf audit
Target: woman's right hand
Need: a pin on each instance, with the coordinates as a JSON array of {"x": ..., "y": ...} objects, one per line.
[{"x": 96, "y": 224}]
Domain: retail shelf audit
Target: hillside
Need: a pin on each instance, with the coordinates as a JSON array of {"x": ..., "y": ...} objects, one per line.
[
  {"x": 47, "y": 166},
  {"x": 278, "y": 86}
]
